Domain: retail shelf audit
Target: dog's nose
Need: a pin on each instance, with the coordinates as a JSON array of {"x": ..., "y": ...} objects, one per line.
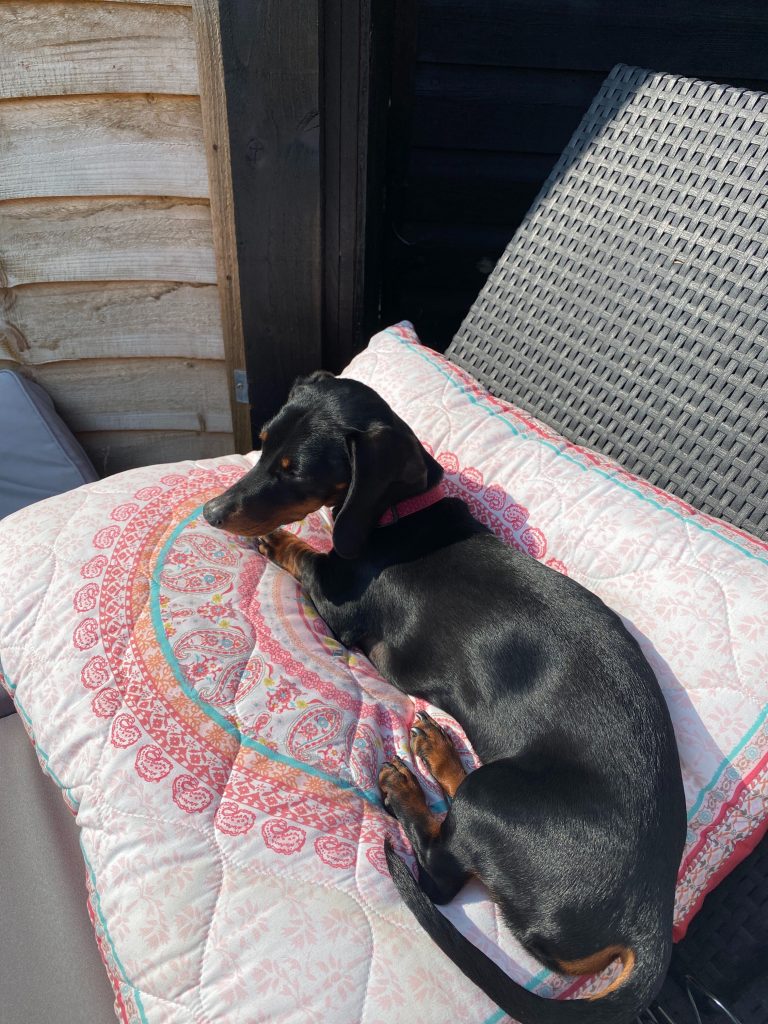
[{"x": 213, "y": 512}]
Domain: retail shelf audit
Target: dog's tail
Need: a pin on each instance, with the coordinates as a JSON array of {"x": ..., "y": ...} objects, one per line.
[{"x": 638, "y": 983}]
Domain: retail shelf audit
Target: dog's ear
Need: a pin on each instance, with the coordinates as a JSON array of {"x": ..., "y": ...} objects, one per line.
[{"x": 387, "y": 465}]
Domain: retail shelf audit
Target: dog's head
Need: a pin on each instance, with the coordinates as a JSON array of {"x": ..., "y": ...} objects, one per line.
[{"x": 335, "y": 442}]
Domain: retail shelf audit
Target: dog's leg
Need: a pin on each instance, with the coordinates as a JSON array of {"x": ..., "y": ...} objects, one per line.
[
  {"x": 288, "y": 551},
  {"x": 430, "y": 743},
  {"x": 440, "y": 873}
]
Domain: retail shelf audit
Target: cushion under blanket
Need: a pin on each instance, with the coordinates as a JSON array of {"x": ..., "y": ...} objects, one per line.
[{"x": 220, "y": 748}]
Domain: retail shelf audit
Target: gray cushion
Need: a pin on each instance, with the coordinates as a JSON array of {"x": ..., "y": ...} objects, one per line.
[
  {"x": 6, "y": 704},
  {"x": 50, "y": 968},
  {"x": 39, "y": 457}
]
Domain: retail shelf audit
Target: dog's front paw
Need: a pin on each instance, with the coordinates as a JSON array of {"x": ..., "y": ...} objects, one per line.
[
  {"x": 270, "y": 544},
  {"x": 286, "y": 550}
]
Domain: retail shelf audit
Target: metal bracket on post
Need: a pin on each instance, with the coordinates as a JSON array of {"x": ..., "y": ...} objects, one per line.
[{"x": 241, "y": 386}]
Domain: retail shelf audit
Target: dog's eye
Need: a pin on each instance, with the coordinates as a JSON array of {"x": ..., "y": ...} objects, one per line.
[{"x": 285, "y": 468}]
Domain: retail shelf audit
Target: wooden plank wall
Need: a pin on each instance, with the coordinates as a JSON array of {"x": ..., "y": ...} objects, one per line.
[
  {"x": 496, "y": 89},
  {"x": 108, "y": 277}
]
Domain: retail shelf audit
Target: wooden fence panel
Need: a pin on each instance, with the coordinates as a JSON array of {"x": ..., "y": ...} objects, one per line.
[
  {"x": 126, "y": 238},
  {"x": 102, "y": 146},
  {"x": 57, "y": 49},
  {"x": 58, "y": 322}
]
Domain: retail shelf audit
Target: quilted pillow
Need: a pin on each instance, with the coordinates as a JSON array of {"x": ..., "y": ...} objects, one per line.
[
  {"x": 692, "y": 590},
  {"x": 220, "y": 748}
]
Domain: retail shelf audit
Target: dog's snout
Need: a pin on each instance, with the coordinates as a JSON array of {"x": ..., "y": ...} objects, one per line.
[{"x": 214, "y": 512}]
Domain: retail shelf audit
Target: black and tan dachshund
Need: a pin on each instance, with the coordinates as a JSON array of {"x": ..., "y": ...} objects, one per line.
[{"x": 576, "y": 820}]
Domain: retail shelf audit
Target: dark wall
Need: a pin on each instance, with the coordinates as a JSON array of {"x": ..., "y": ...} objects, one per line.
[{"x": 486, "y": 93}]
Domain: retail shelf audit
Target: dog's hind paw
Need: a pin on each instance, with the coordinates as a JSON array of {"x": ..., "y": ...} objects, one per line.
[
  {"x": 398, "y": 785},
  {"x": 436, "y": 750}
]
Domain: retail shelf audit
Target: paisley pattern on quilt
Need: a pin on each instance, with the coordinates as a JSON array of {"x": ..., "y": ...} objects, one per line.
[{"x": 220, "y": 748}]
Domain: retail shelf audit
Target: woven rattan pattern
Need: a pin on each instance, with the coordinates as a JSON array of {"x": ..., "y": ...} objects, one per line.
[
  {"x": 726, "y": 944},
  {"x": 630, "y": 311}
]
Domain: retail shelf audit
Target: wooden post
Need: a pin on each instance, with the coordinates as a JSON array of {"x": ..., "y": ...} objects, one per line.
[
  {"x": 298, "y": 223},
  {"x": 270, "y": 51},
  {"x": 213, "y": 99}
]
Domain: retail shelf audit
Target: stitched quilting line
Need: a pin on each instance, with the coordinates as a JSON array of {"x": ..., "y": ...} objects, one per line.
[
  {"x": 265, "y": 872},
  {"x": 217, "y": 843},
  {"x": 48, "y": 593},
  {"x": 96, "y": 805},
  {"x": 43, "y": 754},
  {"x": 724, "y": 764},
  {"x": 230, "y": 727},
  {"x": 101, "y": 745},
  {"x": 154, "y": 584},
  {"x": 356, "y": 680},
  {"x": 726, "y": 606},
  {"x": 102, "y": 748},
  {"x": 104, "y": 809},
  {"x": 30, "y": 731},
  {"x": 369, "y": 922},
  {"x": 705, "y": 571},
  {"x": 354, "y": 676},
  {"x": 230, "y": 860},
  {"x": 211, "y": 919}
]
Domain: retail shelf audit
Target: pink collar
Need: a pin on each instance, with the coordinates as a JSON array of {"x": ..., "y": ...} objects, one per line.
[{"x": 411, "y": 505}]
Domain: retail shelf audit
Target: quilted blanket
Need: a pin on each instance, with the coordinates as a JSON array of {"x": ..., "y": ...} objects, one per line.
[{"x": 220, "y": 748}]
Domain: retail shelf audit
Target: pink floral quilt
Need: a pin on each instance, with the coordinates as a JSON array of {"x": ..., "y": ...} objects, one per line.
[{"x": 220, "y": 748}]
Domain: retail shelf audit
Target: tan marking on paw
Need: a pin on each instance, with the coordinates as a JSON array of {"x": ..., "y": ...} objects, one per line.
[
  {"x": 285, "y": 549},
  {"x": 436, "y": 750},
  {"x": 404, "y": 797}
]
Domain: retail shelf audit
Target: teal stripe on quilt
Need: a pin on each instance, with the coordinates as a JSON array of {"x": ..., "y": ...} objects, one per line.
[
  {"x": 108, "y": 937},
  {"x": 371, "y": 796},
  {"x": 39, "y": 750}
]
